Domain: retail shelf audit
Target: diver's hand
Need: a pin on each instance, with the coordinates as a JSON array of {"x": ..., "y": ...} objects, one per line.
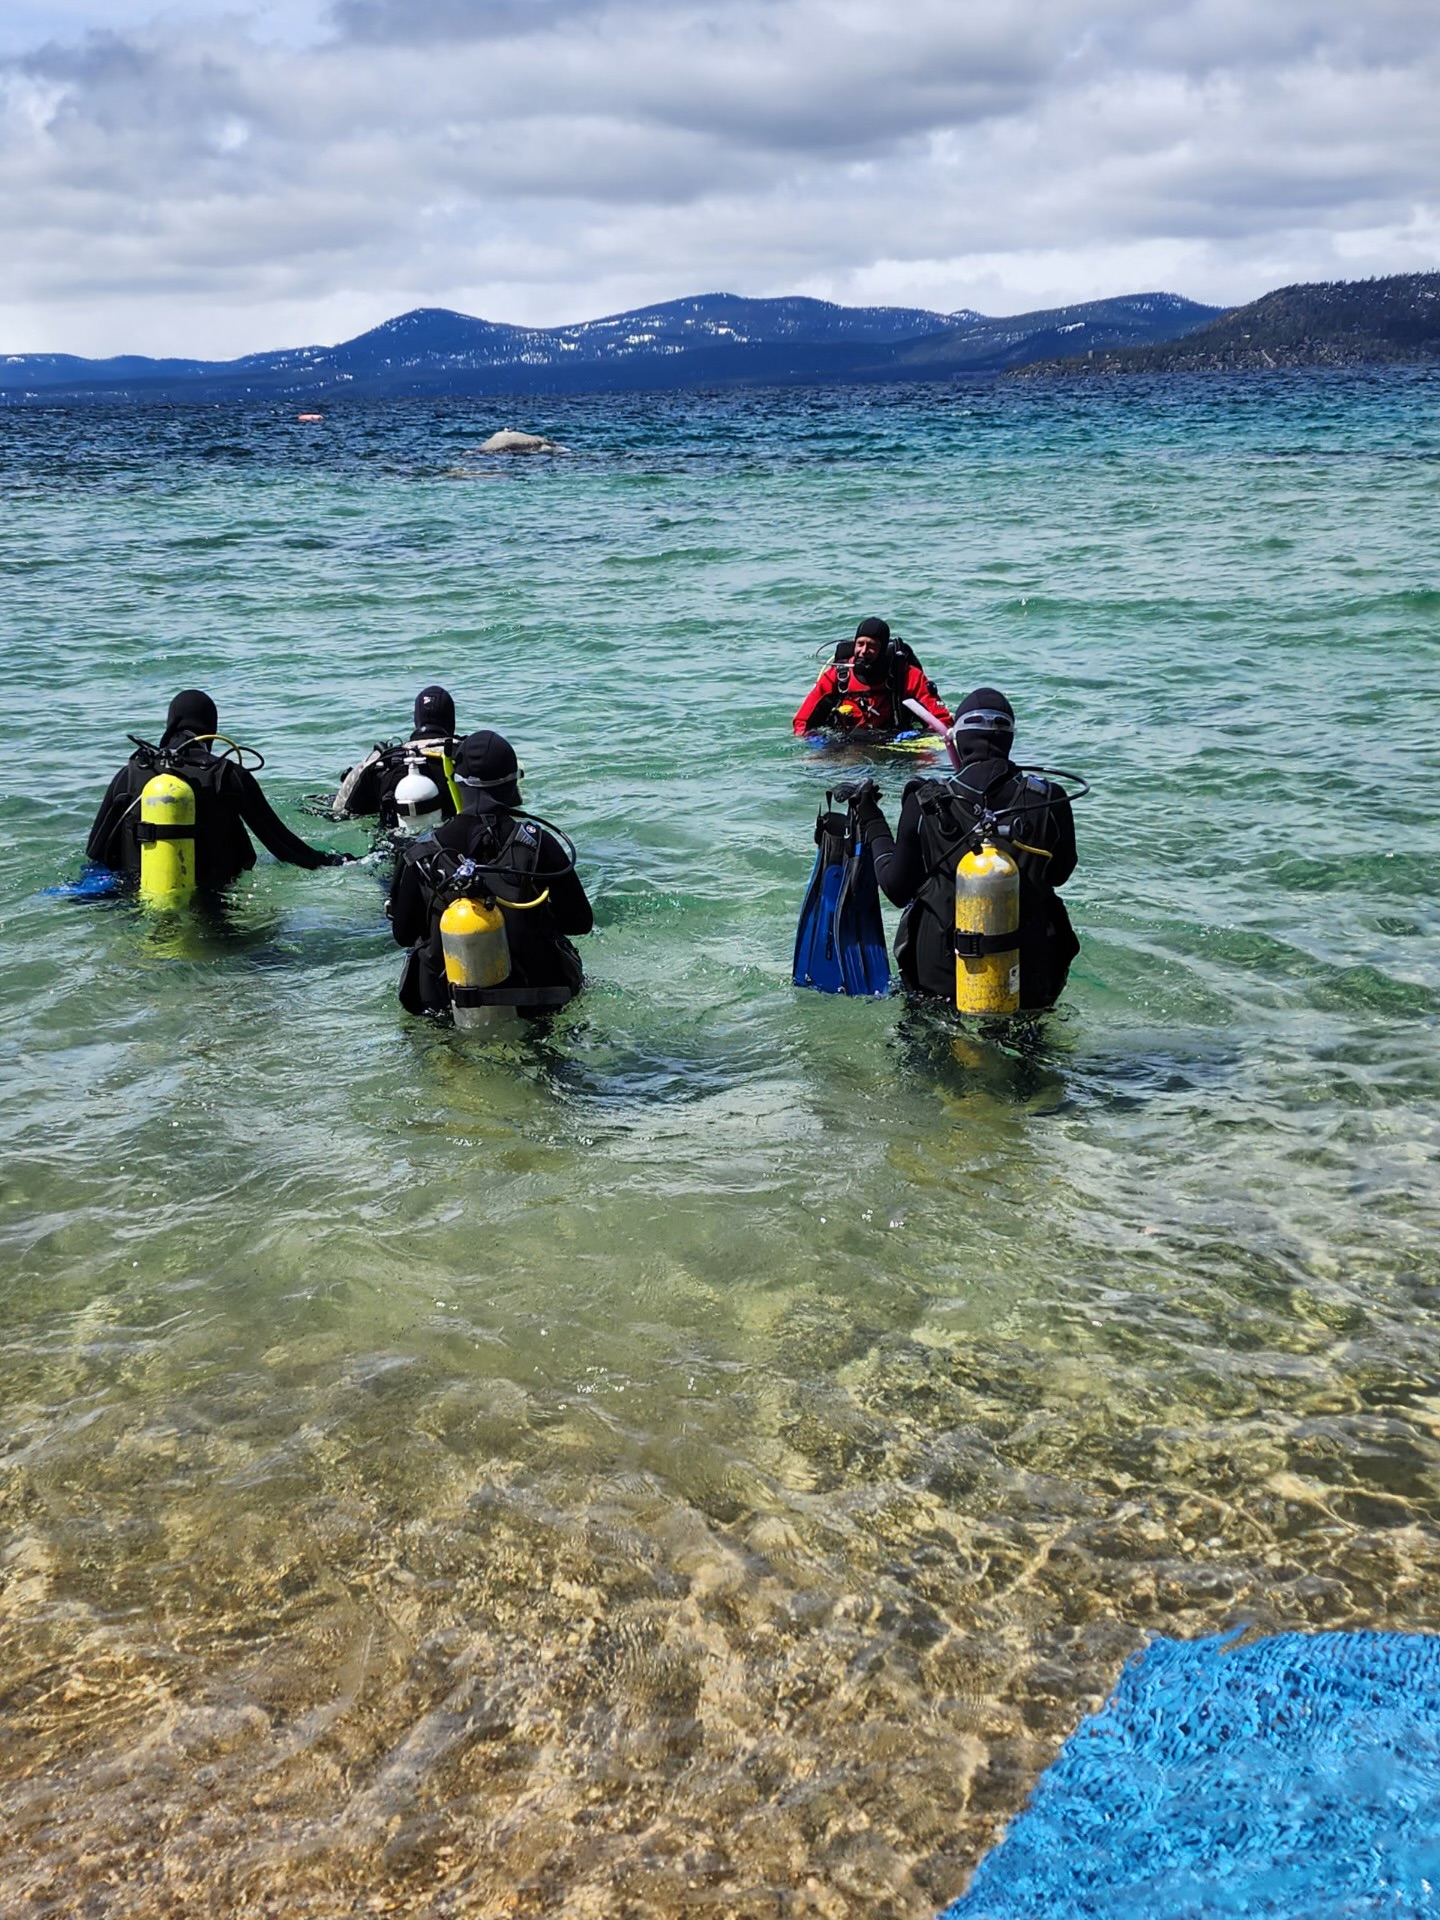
[
  {"x": 338, "y": 859},
  {"x": 858, "y": 793}
]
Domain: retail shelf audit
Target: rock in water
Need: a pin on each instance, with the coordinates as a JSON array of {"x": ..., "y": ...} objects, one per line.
[{"x": 511, "y": 442}]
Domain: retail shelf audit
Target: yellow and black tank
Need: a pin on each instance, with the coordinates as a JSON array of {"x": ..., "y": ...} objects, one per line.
[
  {"x": 167, "y": 841},
  {"x": 987, "y": 931},
  {"x": 477, "y": 956}
]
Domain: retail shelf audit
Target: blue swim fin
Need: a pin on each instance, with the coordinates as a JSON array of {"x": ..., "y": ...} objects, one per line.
[
  {"x": 94, "y": 883},
  {"x": 817, "y": 953},
  {"x": 859, "y": 930}
]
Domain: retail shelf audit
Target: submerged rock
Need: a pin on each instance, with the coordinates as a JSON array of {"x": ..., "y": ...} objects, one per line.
[{"x": 509, "y": 441}]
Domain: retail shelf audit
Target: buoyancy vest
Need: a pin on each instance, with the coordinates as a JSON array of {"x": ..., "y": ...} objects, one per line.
[
  {"x": 499, "y": 863},
  {"x": 949, "y": 813},
  {"x": 223, "y": 848},
  {"x": 877, "y": 706}
]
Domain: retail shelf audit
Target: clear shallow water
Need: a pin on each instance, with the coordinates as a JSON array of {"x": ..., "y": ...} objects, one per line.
[{"x": 716, "y": 1451}]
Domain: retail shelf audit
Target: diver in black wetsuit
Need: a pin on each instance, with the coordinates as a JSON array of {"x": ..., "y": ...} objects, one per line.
[
  {"x": 369, "y": 786},
  {"x": 227, "y": 801},
  {"x": 916, "y": 868},
  {"x": 511, "y": 857}
]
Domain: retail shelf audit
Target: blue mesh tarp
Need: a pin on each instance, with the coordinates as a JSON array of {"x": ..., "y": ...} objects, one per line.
[{"x": 1296, "y": 1778}]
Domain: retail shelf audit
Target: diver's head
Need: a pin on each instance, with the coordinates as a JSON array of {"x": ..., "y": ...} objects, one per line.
[
  {"x": 485, "y": 763},
  {"x": 434, "y": 714},
  {"x": 984, "y": 726},
  {"x": 191, "y": 712},
  {"x": 872, "y": 649}
]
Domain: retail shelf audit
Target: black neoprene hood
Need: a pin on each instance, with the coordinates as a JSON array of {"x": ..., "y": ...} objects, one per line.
[
  {"x": 192, "y": 712},
  {"x": 434, "y": 712}
]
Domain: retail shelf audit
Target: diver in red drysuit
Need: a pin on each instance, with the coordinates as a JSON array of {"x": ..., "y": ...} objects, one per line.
[{"x": 865, "y": 693}]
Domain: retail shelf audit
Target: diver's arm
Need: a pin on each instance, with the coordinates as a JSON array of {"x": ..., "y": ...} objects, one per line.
[
  {"x": 569, "y": 902},
  {"x": 899, "y": 864},
  {"x": 409, "y": 909},
  {"x": 271, "y": 831},
  {"x": 1063, "y": 853},
  {"x": 918, "y": 688},
  {"x": 102, "y": 830},
  {"x": 809, "y": 717}
]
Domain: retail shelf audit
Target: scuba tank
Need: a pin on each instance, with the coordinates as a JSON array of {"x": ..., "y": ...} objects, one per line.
[
  {"x": 477, "y": 956},
  {"x": 167, "y": 841},
  {"x": 987, "y": 931},
  {"x": 417, "y": 800}
]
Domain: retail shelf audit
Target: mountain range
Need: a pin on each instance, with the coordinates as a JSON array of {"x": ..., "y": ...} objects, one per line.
[
  {"x": 716, "y": 339},
  {"x": 1390, "y": 321}
]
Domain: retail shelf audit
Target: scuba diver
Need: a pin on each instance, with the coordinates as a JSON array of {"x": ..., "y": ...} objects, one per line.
[
  {"x": 377, "y": 784},
  {"x": 488, "y": 902},
  {"x": 227, "y": 799},
  {"x": 864, "y": 687},
  {"x": 986, "y": 803}
]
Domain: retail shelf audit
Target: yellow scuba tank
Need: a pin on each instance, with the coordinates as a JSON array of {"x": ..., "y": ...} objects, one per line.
[
  {"x": 987, "y": 932},
  {"x": 477, "y": 954},
  {"x": 167, "y": 841}
]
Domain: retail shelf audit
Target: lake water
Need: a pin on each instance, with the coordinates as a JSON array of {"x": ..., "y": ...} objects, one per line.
[{"x": 703, "y": 1459}]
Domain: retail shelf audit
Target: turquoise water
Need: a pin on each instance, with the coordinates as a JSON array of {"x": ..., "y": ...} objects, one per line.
[{"x": 719, "y": 1448}]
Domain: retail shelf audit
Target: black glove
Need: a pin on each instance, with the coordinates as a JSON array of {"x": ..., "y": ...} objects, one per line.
[
  {"x": 859, "y": 793},
  {"x": 337, "y": 859}
]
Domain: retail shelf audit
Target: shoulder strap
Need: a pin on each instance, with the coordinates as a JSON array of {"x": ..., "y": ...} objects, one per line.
[
  {"x": 902, "y": 658},
  {"x": 951, "y": 810},
  {"x": 205, "y": 771}
]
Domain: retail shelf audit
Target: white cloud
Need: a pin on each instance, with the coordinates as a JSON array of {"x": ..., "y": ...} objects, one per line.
[{"x": 202, "y": 183}]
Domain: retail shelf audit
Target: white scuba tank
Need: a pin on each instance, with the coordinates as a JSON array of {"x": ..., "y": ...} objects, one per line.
[{"x": 417, "y": 802}]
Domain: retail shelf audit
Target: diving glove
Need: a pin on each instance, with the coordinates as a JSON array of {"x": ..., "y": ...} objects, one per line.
[{"x": 858, "y": 793}]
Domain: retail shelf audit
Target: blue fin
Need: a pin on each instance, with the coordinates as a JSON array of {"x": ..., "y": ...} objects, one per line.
[
  {"x": 94, "y": 883},
  {"x": 840, "y": 944},
  {"x": 817, "y": 951},
  {"x": 859, "y": 930}
]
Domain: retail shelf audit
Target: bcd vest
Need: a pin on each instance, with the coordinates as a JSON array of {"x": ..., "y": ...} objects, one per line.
[
  {"x": 878, "y": 706},
  {"x": 222, "y": 847},
  {"x": 949, "y": 812},
  {"x": 545, "y": 970}
]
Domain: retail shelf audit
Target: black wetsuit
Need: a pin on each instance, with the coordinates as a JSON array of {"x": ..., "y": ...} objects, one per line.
[
  {"x": 916, "y": 869},
  {"x": 516, "y": 860},
  {"x": 227, "y": 800}
]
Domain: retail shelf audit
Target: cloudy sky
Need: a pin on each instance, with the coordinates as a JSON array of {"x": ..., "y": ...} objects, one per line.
[{"x": 212, "y": 179}]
